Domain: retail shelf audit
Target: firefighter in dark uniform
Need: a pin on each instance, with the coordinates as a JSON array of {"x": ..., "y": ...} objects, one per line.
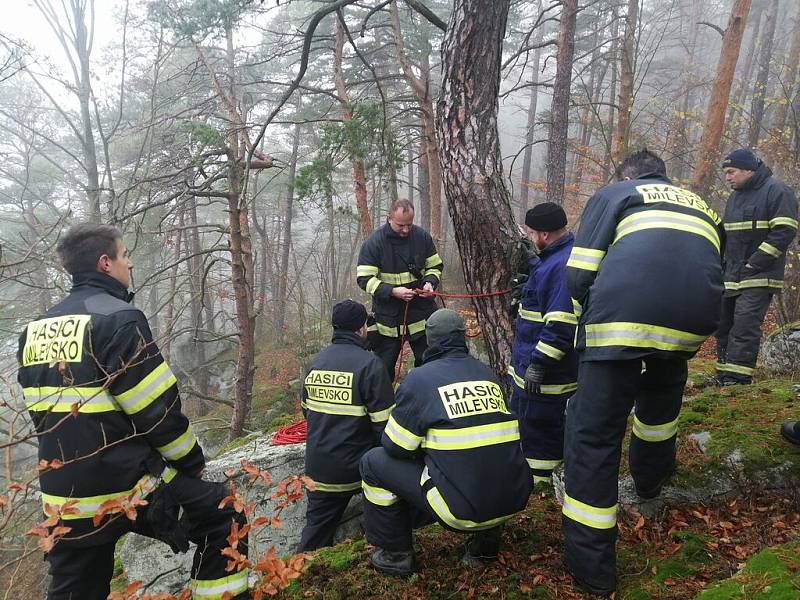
[
  {"x": 450, "y": 453},
  {"x": 347, "y": 398},
  {"x": 399, "y": 267},
  {"x": 646, "y": 272},
  {"x": 544, "y": 364},
  {"x": 760, "y": 222},
  {"x": 106, "y": 406}
]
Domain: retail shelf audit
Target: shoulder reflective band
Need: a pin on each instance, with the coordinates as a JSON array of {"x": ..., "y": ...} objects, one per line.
[
  {"x": 55, "y": 339},
  {"x": 378, "y": 495},
  {"x": 144, "y": 393},
  {"x": 543, "y": 464},
  {"x": 769, "y": 249},
  {"x": 641, "y": 335},
  {"x": 180, "y": 446},
  {"x": 667, "y": 219},
  {"x": 739, "y": 369},
  {"x": 550, "y": 389},
  {"x": 531, "y": 315},
  {"x": 745, "y": 225},
  {"x": 367, "y": 271},
  {"x": 328, "y": 408},
  {"x": 754, "y": 283},
  {"x": 381, "y": 415},
  {"x": 467, "y": 438},
  {"x": 654, "y": 433},
  {"x": 785, "y": 221},
  {"x": 558, "y": 316},
  {"x": 549, "y": 350},
  {"x": 61, "y": 400},
  {"x": 335, "y": 488},
  {"x": 402, "y": 436},
  {"x": 587, "y": 259},
  {"x": 216, "y": 589},
  {"x": 591, "y": 516},
  {"x": 439, "y": 506}
]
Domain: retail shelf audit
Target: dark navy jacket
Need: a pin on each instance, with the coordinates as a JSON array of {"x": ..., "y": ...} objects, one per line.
[
  {"x": 347, "y": 398},
  {"x": 646, "y": 271},
  {"x": 451, "y": 413},
  {"x": 545, "y": 327}
]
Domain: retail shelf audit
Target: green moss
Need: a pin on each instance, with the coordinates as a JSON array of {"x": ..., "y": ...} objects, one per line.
[
  {"x": 339, "y": 558},
  {"x": 119, "y": 580},
  {"x": 772, "y": 574}
]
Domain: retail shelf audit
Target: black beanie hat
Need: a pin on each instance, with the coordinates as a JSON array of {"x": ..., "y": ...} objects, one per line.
[
  {"x": 547, "y": 216},
  {"x": 741, "y": 159},
  {"x": 348, "y": 314}
]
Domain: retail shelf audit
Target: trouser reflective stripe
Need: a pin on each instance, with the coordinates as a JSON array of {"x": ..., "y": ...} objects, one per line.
[
  {"x": 215, "y": 589},
  {"x": 739, "y": 333},
  {"x": 596, "y": 420},
  {"x": 390, "y": 526},
  {"x": 323, "y": 515}
]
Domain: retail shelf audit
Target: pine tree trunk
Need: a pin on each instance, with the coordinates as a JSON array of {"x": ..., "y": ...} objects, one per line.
[
  {"x": 619, "y": 147},
  {"x": 760, "y": 87},
  {"x": 527, "y": 157},
  {"x": 286, "y": 237}
]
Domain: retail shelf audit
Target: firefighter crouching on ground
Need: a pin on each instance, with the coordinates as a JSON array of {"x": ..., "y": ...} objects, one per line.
[
  {"x": 760, "y": 222},
  {"x": 398, "y": 265},
  {"x": 347, "y": 398},
  {"x": 450, "y": 453},
  {"x": 106, "y": 405},
  {"x": 646, "y": 269},
  {"x": 544, "y": 365}
]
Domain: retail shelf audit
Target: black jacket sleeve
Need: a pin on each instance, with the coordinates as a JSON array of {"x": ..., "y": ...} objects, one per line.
[
  {"x": 782, "y": 206},
  {"x": 376, "y": 390}
]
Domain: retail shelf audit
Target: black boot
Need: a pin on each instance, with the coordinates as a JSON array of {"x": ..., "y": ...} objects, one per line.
[
  {"x": 401, "y": 564},
  {"x": 791, "y": 432},
  {"x": 656, "y": 491},
  {"x": 482, "y": 545}
]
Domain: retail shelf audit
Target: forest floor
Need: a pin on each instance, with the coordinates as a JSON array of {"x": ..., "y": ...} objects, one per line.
[{"x": 744, "y": 544}]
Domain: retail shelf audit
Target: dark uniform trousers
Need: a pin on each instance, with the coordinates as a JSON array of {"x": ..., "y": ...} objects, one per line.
[
  {"x": 541, "y": 427},
  {"x": 596, "y": 420},
  {"x": 323, "y": 516},
  {"x": 83, "y": 572},
  {"x": 388, "y": 350},
  {"x": 739, "y": 333}
]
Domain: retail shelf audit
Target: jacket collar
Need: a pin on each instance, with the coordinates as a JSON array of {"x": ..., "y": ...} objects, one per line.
[
  {"x": 452, "y": 345},
  {"x": 343, "y": 336},
  {"x": 653, "y": 175},
  {"x": 565, "y": 239},
  {"x": 102, "y": 281},
  {"x": 389, "y": 232},
  {"x": 757, "y": 179}
]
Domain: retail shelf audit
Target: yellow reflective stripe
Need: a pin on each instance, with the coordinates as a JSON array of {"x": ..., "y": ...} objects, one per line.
[
  {"x": 753, "y": 283},
  {"x": 466, "y": 438},
  {"x": 576, "y": 307},
  {"x": 367, "y": 270},
  {"x": 435, "y": 272},
  {"x": 641, "y": 335},
  {"x": 549, "y": 350},
  {"x": 769, "y": 249},
  {"x": 416, "y": 327},
  {"x": 88, "y": 506},
  {"x": 140, "y": 396},
  {"x": 591, "y": 516},
  {"x": 381, "y": 415},
  {"x": 444, "y": 513},
  {"x": 540, "y": 479},
  {"x": 372, "y": 285},
  {"x": 778, "y": 221},
  {"x": 433, "y": 260},
  {"x": 531, "y": 315},
  {"x": 333, "y": 488},
  {"x": 654, "y": 433},
  {"x": 402, "y": 436},
  {"x": 387, "y": 330},
  {"x": 180, "y": 446},
  {"x": 734, "y": 368},
  {"x": 667, "y": 219},
  {"x": 346, "y": 410},
  {"x": 424, "y": 476},
  {"x": 587, "y": 259},
  {"x": 378, "y": 495},
  {"x": 215, "y": 589},
  {"x": 746, "y": 225},
  {"x": 558, "y": 316},
  {"x": 61, "y": 399},
  {"x": 541, "y": 464},
  {"x": 398, "y": 278},
  {"x": 548, "y": 389}
]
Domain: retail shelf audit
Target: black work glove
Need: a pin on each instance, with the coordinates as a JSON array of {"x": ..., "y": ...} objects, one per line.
[
  {"x": 163, "y": 516},
  {"x": 534, "y": 375},
  {"x": 517, "y": 283}
]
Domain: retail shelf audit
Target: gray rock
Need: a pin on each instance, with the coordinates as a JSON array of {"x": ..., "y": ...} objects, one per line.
[
  {"x": 701, "y": 439},
  {"x": 781, "y": 350},
  {"x": 144, "y": 559}
]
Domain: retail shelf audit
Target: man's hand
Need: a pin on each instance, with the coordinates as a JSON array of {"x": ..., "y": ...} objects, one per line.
[
  {"x": 403, "y": 293},
  {"x": 534, "y": 375},
  {"x": 426, "y": 291}
]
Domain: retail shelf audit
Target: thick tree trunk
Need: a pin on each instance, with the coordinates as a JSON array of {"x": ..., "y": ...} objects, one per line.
[
  {"x": 718, "y": 100},
  {"x": 619, "y": 147},
  {"x": 471, "y": 164},
  {"x": 760, "y": 87},
  {"x": 557, "y": 146}
]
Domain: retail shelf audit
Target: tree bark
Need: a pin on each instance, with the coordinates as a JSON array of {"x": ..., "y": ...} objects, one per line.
[
  {"x": 762, "y": 80},
  {"x": 741, "y": 85},
  {"x": 789, "y": 78},
  {"x": 607, "y": 166},
  {"x": 720, "y": 94},
  {"x": 680, "y": 142},
  {"x": 557, "y": 145},
  {"x": 286, "y": 239},
  {"x": 619, "y": 146},
  {"x": 423, "y": 184},
  {"x": 466, "y": 126},
  {"x": 527, "y": 157}
]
